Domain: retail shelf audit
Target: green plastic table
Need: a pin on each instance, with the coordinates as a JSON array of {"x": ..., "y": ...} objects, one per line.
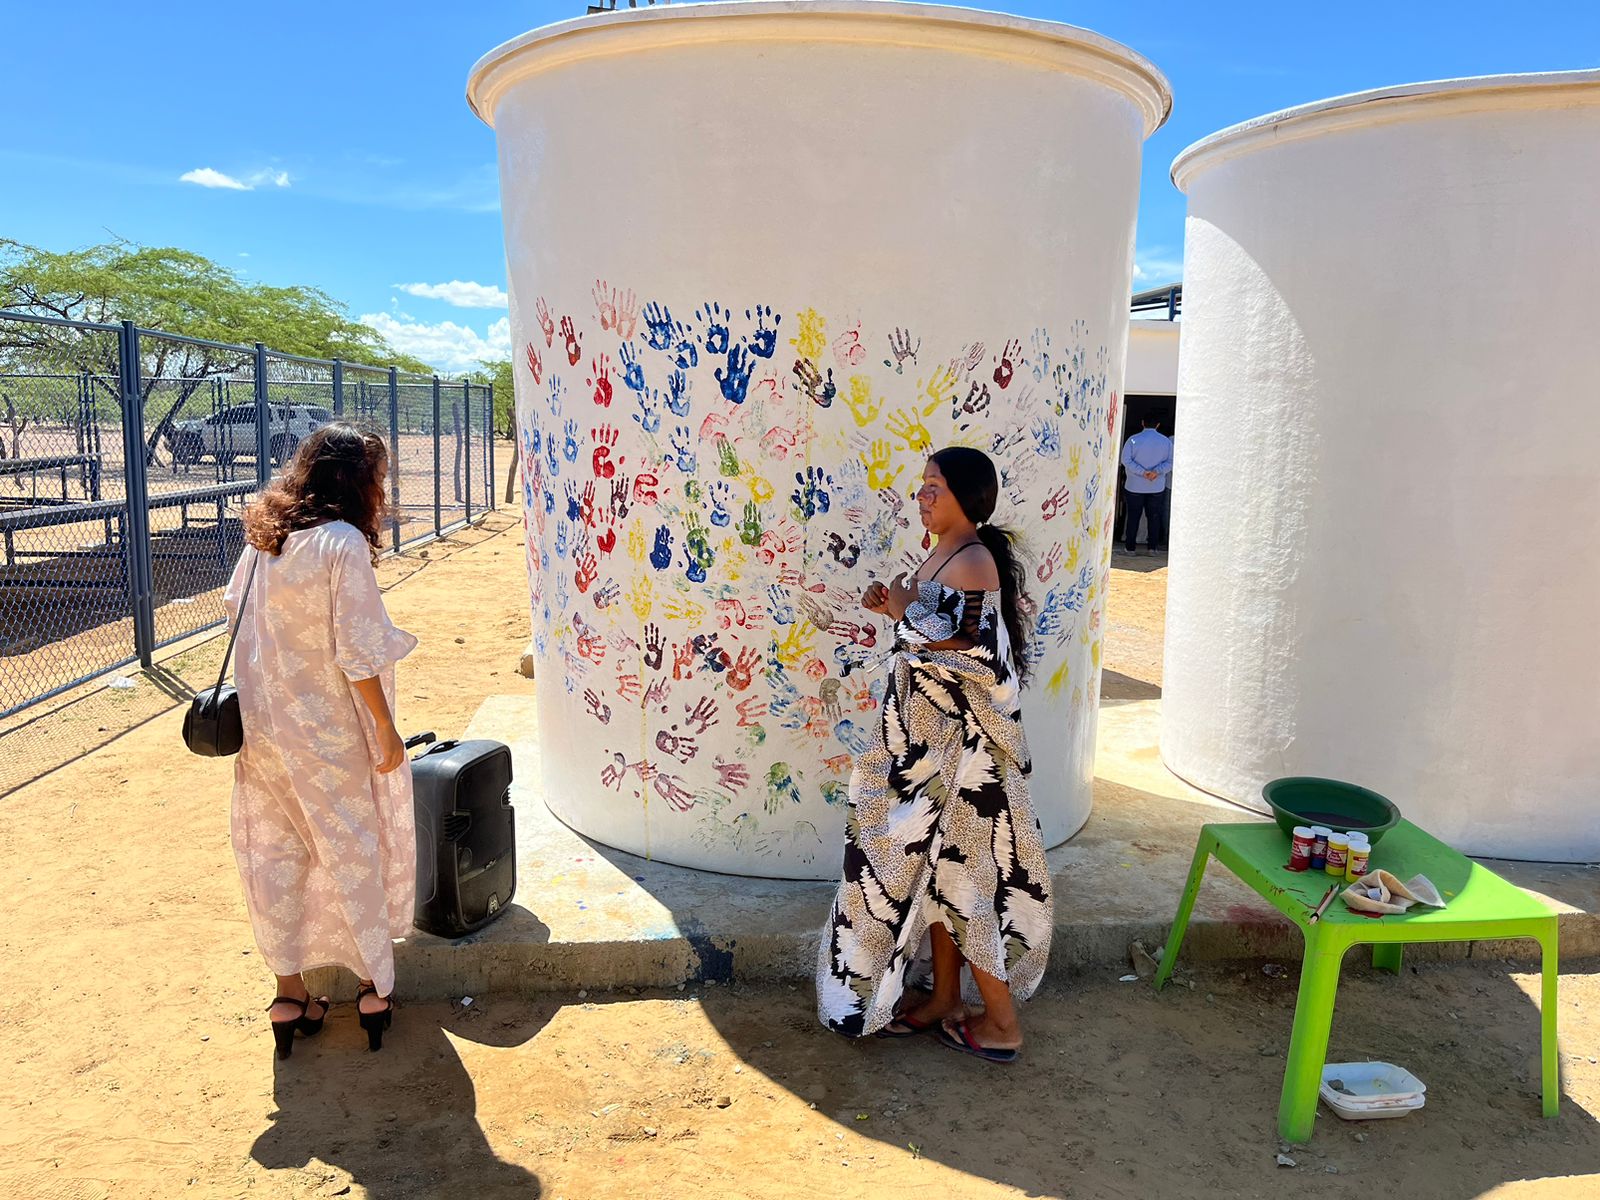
[{"x": 1479, "y": 905}]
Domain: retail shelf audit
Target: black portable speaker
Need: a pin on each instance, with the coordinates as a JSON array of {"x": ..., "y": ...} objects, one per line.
[{"x": 466, "y": 835}]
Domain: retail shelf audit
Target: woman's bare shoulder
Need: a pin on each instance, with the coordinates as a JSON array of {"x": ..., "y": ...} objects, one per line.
[{"x": 972, "y": 570}]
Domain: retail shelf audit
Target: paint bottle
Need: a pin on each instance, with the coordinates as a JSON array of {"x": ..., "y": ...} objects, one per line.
[
  {"x": 1338, "y": 854},
  {"x": 1360, "y": 849},
  {"x": 1319, "y": 847},
  {"x": 1300, "y": 848}
]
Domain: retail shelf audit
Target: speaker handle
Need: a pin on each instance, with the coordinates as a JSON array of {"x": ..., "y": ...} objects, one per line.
[{"x": 421, "y": 739}]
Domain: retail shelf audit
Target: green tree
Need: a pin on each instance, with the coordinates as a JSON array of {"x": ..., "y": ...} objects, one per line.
[
  {"x": 498, "y": 374},
  {"x": 171, "y": 290}
]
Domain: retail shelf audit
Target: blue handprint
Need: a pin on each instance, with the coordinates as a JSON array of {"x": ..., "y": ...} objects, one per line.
[
  {"x": 552, "y": 457},
  {"x": 778, "y": 606},
  {"x": 649, "y": 414},
  {"x": 764, "y": 341},
  {"x": 535, "y": 441},
  {"x": 544, "y": 561},
  {"x": 678, "y": 394},
  {"x": 549, "y": 503},
  {"x": 716, "y": 322},
  {"x": 686, "y": 351},
  {"x": 574, "y": 505},
  {"x": 632, "y": 372},
  {"x": 659, "y": 326},
  {"x": 1091, "y": 491},
  {"x": 561, "y": 592},
  {"x": 1047, "y": 437},
  {"x": 851, "y": 737},
  {"x": 661, "y": 554},
  {"x": 682, "y": 455},
  {"x": 736, "y": 381},
  {"x": 570, "y": 447},
  {"x": 812, "y": 496},
  {"x": 720, "y": 493},
  {"x": 558, "y": 395},
  {"x": 561, "y": 539}
]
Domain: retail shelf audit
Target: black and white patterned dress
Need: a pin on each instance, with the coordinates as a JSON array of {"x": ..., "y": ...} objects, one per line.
[{"x": 941, "y": 828}]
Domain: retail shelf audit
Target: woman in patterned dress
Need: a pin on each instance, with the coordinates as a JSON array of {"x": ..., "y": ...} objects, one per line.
[
  {"x": 322, "y": 820},
  {"x": 943, "y": 854}
]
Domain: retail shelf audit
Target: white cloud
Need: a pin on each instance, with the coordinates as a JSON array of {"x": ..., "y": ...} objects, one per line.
[
  {"x": 208, "y": 178},
  {"x": 445, "y": 345},
  {"x": 459, "y": 292}
]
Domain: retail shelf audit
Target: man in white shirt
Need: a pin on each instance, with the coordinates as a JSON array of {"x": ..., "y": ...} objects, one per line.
[{"x": 1147, "y": 457}]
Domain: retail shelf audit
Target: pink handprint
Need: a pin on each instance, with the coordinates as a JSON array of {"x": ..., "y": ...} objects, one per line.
[
  {"x": 546, "y": 324},
  {"x": 535, "y": 364}
]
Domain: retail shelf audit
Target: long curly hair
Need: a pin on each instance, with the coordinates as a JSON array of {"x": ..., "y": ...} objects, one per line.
[
  {"x": 974, "y": 482},
  {"x": 335, "y": 475}
]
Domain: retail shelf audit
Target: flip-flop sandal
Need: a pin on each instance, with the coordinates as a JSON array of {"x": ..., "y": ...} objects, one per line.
[
  {"x": 913, "y": 1028},
  {"x": 967, "y": 1044}
]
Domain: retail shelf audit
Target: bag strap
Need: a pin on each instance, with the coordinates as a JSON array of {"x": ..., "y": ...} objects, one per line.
[{"x": 233, "y": 636}]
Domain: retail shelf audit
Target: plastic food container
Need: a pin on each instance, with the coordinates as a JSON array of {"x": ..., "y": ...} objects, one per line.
[{"x": 1372, "y": 1091}]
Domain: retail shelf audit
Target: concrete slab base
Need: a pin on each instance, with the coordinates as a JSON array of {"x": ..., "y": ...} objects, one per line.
[{"x": 587, "y": 916}]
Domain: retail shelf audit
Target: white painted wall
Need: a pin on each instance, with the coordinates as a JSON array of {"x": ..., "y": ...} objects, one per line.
[
  {"x": 1384, "y": 566},
  {"x": 1152, "y": 367},
  {"x": 834, "y": 176}
]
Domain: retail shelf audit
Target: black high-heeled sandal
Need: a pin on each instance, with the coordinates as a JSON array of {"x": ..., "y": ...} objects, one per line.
[
  {"x": 374, "y": 1023},
  {"x": 283, "y": 1031}
]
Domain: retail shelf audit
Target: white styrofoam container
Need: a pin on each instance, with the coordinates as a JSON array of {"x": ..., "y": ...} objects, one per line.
[{"x": 1377, "y": 1090}]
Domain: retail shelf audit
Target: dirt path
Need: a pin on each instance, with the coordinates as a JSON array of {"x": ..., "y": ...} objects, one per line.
[{"x": 136, "y": 1058}]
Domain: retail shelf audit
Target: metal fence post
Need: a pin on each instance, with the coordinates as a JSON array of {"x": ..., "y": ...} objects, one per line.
[
  {"x": 338, "y": 388},
  {"x": 394, "y": 454},
  {"x": 136, "y": 493},
  {"x": 438, "y": 465},
  {"x": 263, "y": 442},
  {"x": 489, "y": 425},
  {"x": 466, "y": 456}
]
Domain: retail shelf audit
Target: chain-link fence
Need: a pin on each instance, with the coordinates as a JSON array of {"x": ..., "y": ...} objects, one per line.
[{"x": 127, "y": 457}]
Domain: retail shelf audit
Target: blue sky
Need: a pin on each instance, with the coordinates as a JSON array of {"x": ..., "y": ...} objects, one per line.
[{"x": 339, "y": 151}]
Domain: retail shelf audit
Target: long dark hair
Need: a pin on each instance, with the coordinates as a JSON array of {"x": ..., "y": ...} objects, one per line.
[
  {"x": 974, "y": 482},
  {"x": 332, "y": 477}
]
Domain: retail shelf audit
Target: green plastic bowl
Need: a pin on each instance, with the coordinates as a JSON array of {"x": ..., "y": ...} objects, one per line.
[{"x": 1342, "y": 807}]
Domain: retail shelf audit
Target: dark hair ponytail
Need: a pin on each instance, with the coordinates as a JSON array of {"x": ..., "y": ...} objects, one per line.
[{"x": 975, "y": 483}]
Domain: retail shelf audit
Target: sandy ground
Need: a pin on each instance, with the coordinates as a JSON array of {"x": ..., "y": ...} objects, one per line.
[{"x": 137, "y": 1060}]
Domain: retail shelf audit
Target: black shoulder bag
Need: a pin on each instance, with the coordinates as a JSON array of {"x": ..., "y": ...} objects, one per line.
[{"x": 213, "y": 726}]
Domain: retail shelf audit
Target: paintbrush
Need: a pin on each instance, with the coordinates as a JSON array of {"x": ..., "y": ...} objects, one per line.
[{"x": 1323, "y": 907}]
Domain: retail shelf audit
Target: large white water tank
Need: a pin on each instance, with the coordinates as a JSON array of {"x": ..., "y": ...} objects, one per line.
[
  {"x": 763, "y": 257},
  {"x": 1384, "y": 563}
]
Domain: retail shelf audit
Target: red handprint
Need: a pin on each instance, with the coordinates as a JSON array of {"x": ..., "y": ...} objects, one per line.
[
  {"x": 674, "y": 793},
  {"x": 653, "y": 647},
  {"x": 740, "y": 674},
  {"x": 1005, "y": 365},
  {"x": 597, "y": 710},
  {"x": 586, "y": 511},
  {"x": 751, "y": 710},
  {"x": 574, "y": 343},
  {"x": 702, "y": 716},
  {"x": 646, "y": 488},
  {"x": 588, "y": 571},
  {"x": 607, "y": 542},
  {"x": 600, "y": 381},
  {"x": 734, "y": 776},
  {"x": 535, "y": 364},
  {"x": 628, "y": 687},
  {"x": 683, "y": 656},
  {"x": 1111, "y": 416},
  {"x": 605, "y": 440},
  {"x": 546, "y": 323}
]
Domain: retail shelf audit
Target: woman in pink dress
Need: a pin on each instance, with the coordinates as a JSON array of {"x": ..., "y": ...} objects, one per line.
[{"x": 322, "y": 817}]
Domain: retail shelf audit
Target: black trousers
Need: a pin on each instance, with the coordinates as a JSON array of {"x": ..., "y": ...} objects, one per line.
[{"x": 1139, "y": 504}]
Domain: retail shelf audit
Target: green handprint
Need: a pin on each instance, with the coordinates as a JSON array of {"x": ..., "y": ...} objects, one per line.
[
  {"x": 727, "y": 458},
  {"x": 697, "y": 549},
  {"x": 750, "y": 526}
]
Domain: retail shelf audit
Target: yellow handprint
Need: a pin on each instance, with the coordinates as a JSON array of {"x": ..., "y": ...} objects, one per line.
[
  {"x": 1074, "y": 545},
  {"x": 908, "y": 427},
  {"x": 679, "y": 608},
  {"x": 1077, "y": 513},
  {"x": 642, "y": 596},
  {"x": 637, "y": 544},
  {"x": 860, "y": 399},
  {"x": 812, "y": 339},
  {"x": 1094, "y": 653},
  {"x": 1074, "y": 462},
  {"x": 761, "y": 489},
  {"x": 877, "y": 461},
  {"x": 937, "y": 390},
  {"x": 732, "y": 556},
  {"x": 797, "y": 644},
  {"x": 1058, "y": 681}
]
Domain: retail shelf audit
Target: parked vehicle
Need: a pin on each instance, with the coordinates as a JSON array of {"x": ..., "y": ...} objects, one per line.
[{"x": 231, "y": 433}]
